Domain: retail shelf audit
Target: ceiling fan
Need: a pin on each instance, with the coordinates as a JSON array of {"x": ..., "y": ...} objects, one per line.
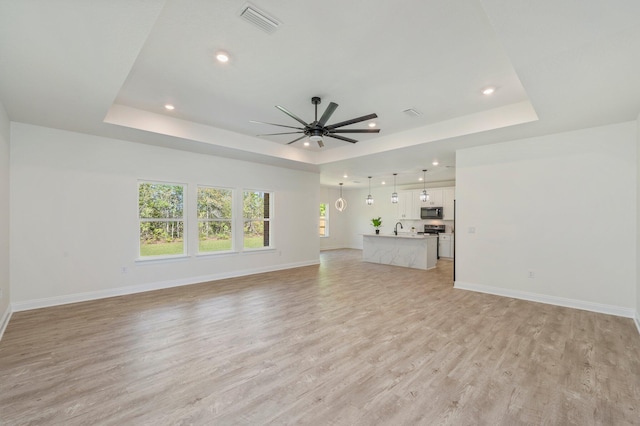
[{"x": 317, "y": 129}]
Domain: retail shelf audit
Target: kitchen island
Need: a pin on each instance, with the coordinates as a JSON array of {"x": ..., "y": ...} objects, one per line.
[{"x": 408, "y": 250}]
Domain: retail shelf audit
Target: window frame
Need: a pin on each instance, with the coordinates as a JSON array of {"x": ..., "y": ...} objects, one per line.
[
  {"x": 231, "y": 221},
  {"x": 269, "y": 220},
  {"x": 326, "y": 221},
  {"x": 184, "y": 220}
]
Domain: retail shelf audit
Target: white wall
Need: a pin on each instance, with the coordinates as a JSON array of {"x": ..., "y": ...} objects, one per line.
[
  {"x": 637, "y": 315},
  {"x": 562, "y": 206},
  {"x": 4, "y": 220},
  {"x": 74, "y": 216},
  {"x": 360, "y": 214},
  {"x": 337, "y": 220}
]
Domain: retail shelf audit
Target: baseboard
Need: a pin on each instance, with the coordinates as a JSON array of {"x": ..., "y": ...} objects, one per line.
[
  {"x": 550, "y": 300},
  {"x": 329, "y": 248},
  {"x": 4, "y": 321},
  {"x": 636, "y": 319},
  {"x": 123, "y": 291}
]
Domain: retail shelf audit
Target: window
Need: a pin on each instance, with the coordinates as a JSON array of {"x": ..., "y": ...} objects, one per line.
[
  {"x": 324, "y": 220},
  {"x": 161, "y": 216},
  {"x": 257, "y": 219},
  {"x": 214, "y": 219}
]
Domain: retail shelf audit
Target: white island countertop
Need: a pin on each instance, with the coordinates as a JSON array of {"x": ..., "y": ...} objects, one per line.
[
  {"x": 405, "y": 249},
  {"x": 401, "y": 235}
]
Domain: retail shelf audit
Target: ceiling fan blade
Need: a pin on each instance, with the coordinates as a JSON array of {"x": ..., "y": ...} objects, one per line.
[
  {"x": 274, "y": 124},
  {"x": 352, "y": 121},
  {"x": 355, "y": 131},
  {"x": 327, "y": 114},
  {"x": 273, "y": 134},
  {"x": 296, "y": 140},
  {"x": 292, "y": 115},
  {"x": 342, "y": 138}
]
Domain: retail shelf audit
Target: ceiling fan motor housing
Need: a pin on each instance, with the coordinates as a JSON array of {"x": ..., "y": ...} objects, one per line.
[{"x": 315, "y": 135}]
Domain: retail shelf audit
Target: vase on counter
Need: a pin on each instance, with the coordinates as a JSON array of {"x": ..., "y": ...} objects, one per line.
[{"x": 377, "y": 231}]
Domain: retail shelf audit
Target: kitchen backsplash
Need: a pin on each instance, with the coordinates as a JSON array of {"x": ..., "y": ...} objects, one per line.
[{"x": 419, "y": 224}]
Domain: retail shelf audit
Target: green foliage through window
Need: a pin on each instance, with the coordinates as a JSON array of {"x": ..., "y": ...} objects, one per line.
[
  {"x": 257, "y": 219},
  {"x": 324, "y": 220},
  {"x": 214, "y": 219},
  {"x": 161, "y": 215}
]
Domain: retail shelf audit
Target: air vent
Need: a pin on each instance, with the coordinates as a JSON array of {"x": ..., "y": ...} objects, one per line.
[
  {"x": 259, "y": 19},
  {"x": 412, "y": 112}
]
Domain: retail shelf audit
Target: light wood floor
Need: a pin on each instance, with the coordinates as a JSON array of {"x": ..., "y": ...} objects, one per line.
[{"x": 343, "y": 343}]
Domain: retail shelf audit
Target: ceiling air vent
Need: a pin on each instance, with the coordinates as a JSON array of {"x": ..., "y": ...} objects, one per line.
[
  {"x": 259, "y": 19},
  {"x": 412, "y": 112}
]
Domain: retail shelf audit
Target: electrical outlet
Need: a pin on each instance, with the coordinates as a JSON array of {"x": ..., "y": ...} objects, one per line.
[
  {"x": 124, "y": 269},
  {"x": 532, "y": 274}
]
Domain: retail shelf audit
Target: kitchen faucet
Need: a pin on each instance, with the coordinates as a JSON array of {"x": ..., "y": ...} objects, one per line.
[{"x": 395, "y": 228}]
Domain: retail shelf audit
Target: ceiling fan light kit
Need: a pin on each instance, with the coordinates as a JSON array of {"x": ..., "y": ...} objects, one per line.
[{"x": 317, "y": 130}]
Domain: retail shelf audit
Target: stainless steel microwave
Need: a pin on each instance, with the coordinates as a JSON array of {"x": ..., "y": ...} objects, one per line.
[{"x": 431, "y": 212}]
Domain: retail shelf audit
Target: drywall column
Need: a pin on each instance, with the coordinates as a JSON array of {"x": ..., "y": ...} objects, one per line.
[
  {"x": 5, "y": 308},
  {"x": 528, "y": 213},
  {"x": 637, "y": 316}
]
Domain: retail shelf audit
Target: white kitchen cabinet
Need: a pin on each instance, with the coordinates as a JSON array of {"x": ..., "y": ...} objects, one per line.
[
  {"x": 435, "y": 198},
  {"x": 445, "y": 242},
  {"x": 408, "y": 205},
  {"x": 448, "y": 196}
]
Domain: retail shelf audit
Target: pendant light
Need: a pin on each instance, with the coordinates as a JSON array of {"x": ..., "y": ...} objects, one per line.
[
  {"x": 369, "y": 199},
  {"x": 424, "y": 196},
  {"x": 341, "y": 203},
  {"x": 394, "y": 195}
]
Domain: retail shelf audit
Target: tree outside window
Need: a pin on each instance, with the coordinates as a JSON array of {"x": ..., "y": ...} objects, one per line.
[
  {"x": 214, "y": 219},
  {"x": 324, "y": 220},
  {"x": 161, "y": 218},
  {"x": 257, "y": 219}
]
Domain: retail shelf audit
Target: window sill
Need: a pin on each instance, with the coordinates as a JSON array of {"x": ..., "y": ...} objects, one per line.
[
  {"x": 162, "y": 259},
  {"x": 258, "y": 250},
  {"x": 216, "y": 254}
]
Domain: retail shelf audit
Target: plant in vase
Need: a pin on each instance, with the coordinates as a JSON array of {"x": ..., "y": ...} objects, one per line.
[{"x": 376, "y": 222}]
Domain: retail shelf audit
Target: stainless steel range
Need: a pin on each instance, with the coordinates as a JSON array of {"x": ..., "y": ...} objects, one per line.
[{"x": 435, "y": 230}]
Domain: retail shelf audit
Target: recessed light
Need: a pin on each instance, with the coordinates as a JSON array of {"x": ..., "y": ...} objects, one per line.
[
  {"x": 306, "y": 143},
  {"x": 222, "y": 57},
  {"x": 420, "y": 179},
  {"x": 384, "y": 183},
  {"x": 345, "y": 176},
  {"x": 488, "y": 90},
  {"x": 169, "y": 107},
  {"x": 435, "y": 162},
  {"x": 372, "y": 124}
]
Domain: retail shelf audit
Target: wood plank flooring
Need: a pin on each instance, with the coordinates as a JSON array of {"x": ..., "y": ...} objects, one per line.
[{"x": 342, "y": 343}]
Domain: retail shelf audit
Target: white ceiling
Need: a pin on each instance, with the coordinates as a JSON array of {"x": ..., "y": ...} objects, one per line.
[{"x": 108, "y": 68}]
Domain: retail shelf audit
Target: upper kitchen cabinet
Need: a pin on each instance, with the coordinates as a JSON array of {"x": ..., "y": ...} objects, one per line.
[
  {"x": 448, "y": 196},
  {"x": 435, "y": 198},
  {"x": 409, "y": 205}
]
